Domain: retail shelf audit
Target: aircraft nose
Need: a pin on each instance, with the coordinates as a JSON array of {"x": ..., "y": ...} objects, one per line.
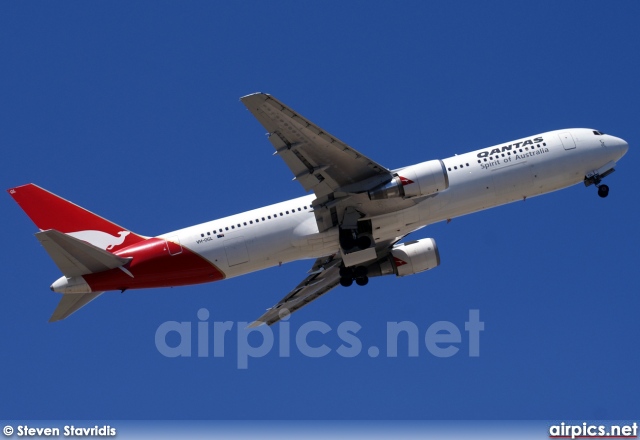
[
  {"x": 619, "y": 144},
  {"x": 622, "y": 146}
]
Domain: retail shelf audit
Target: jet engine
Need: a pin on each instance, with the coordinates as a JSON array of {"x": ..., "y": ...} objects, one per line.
[
  {"x": 407, "y": 259},
  {"x": 422, "y": 179}
]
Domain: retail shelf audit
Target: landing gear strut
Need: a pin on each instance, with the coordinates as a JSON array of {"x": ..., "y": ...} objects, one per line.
[
  {"x": 350, "y": 239},
  {"x": 348, "y": 274},
  {"x": 595, "y": 179}
]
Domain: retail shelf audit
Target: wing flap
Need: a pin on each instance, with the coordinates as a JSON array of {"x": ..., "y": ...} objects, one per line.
[
  {"x": 75, "y": 257},
  {"x": 325, "y": 276}
]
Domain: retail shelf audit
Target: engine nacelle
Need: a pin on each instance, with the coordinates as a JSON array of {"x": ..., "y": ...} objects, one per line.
[
  {"x": 415, "y": 256},
  {"x": 422, "y": 179},
  {"x": 408, "y": 259}
]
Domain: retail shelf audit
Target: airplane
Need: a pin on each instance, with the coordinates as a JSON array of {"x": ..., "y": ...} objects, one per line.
[{"x": 352, "y": 224}]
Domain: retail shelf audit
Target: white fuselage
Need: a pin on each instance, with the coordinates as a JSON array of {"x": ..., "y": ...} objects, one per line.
[{"x": 478, "y": 180}]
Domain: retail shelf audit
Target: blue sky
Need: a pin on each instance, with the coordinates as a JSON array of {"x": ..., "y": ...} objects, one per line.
[{"x": 131, "y": 110}]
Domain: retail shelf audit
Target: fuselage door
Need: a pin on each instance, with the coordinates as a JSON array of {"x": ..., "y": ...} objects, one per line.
[
  {"x": 567, "y": 140},
  {"x": 236, "y": 251},
  {"x": 173, "y": 245}
]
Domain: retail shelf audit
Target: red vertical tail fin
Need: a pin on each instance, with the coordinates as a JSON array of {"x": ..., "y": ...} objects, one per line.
[{"x": 49, "y": 211}]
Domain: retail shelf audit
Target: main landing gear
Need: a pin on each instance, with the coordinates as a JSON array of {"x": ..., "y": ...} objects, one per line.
[
  {"x": 349, "y": 274},
  {"x": 349, "y": 241}
]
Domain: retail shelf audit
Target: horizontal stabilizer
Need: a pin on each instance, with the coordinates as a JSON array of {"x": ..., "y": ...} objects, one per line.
[
  {"x": 72, "y": 302},
  {"x": 76, "y": 257}
]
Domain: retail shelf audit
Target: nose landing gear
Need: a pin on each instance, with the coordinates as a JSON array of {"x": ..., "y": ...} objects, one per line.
[
  {"x": 595, "y": 179},
  {"x": 603, "y": 191}
]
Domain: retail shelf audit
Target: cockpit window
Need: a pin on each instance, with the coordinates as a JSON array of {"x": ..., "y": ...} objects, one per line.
[{"x": 597, "y": 133}]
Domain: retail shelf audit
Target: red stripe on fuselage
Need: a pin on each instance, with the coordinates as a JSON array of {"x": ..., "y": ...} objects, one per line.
[{"x": 154, "y": 266}]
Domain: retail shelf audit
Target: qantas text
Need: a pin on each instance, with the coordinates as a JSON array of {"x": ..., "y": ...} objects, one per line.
[{"x": 509, "y": 147}]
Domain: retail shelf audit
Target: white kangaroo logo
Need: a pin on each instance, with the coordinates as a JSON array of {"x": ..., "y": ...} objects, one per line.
[{"x": 100, "y": 239}]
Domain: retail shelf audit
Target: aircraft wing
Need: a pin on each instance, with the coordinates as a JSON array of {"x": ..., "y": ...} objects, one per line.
[
  {"x": 325, "y": 275},
  {"x": 318, "y": 160}
]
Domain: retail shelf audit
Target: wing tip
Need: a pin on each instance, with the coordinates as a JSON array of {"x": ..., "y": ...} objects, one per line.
[{"x": 250, "y": 95}]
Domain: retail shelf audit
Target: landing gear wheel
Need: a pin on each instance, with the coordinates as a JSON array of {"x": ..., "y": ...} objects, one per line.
[
  {"x": 603, "y": 191},
  {"x": 346, "y": 272},
  {"x": 362, "y": 281},
  {"x": 346, "y": 281},
  {"x": 363, "y": 242}
]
